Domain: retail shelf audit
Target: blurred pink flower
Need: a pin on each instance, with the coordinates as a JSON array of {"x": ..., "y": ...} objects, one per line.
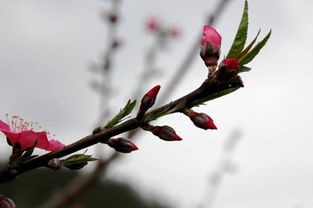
[
  {"x": 153, "y": 24},
  {"x": 21, "y": 131},
  {"x": 210, "y": 35},
  {"x": 175, "y": 32}
]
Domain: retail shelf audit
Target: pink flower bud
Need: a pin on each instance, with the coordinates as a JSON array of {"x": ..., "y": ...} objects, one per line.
[
  {"x": 210, "y": 46},
  {"x": 6, "y": 202},
  {"x": 211, "y": 36},
  {"x": 153, "y": 92},
  {"x": 201, "y": 120},
  {"x": 166, "y": 133},
  {"x": 122, "y": 145},
  {"x": 148, "y": 100},
  {"x": 153, "y": 24}
]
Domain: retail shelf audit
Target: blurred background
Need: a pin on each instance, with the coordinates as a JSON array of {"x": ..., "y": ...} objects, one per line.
[{"x": 48, "y": 50}]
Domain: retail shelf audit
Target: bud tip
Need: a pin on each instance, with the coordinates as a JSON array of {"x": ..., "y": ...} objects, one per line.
[{"x": 154, "y": 91}]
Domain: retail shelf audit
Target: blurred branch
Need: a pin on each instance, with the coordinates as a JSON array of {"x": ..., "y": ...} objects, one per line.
[{"x": 224, "y": 166}]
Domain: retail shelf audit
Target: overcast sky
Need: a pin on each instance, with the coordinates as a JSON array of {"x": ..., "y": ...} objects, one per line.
[{"x": 46, "y": 48}]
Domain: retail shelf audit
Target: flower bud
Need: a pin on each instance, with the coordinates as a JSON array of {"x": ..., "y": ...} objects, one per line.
[
  {"x": 148, "y": 100},
  {"x": 122, "y": 145},
  {"x": 228, "y": 68},
  {"x": 55, "y": 164},
  {"x": 210, "y": 46},
  {"x": 6, "y": 202},
  {"x": 201, "y": 120},
  {"x": 166, "y": 133}
]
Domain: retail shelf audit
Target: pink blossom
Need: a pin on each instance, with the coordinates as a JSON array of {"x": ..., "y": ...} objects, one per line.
[
  {"x": 210, "y": 35},
  {"x": 21, "y": 131},
  {"x": 153, "y": 24},
  {"x": 54, "y": 145}
]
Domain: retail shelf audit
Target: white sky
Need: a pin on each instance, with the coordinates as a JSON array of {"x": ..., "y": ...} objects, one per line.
[{"x": 47, "y": 46}]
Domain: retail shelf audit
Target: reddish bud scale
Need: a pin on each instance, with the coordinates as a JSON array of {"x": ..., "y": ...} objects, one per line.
[
  {"x": 201, "y": 120},
  {"x": 228, "y": 68},
  {"x": 166, "y": 133},
  {"x": 122, "y": 145}
]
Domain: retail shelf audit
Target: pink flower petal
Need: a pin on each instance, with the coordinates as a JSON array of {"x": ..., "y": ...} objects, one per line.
[
  {"x": 210, "y": 35},
  {"x": 4, "y": 126},
  {"x": 54, "y": 145}
]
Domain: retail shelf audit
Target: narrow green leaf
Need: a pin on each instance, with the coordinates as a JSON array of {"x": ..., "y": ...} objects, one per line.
[
  {"x": 215, "y": 95},
  {"x": 247, "y": 49},
  {"x": 241, "y": 35},
  {"x": 128, "y": 108},
  {"x": 250, "y": 56},
  {"x": 244, "y": 69}
]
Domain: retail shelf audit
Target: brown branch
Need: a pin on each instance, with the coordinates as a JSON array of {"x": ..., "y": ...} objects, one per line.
[{"x": 208, "y": 87}]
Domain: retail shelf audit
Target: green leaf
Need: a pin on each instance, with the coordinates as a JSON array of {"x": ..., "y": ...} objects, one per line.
[
  {"x": 128, "y": 108},
  {"x": 77, "y": 159},
  {"x": 247, "y": 49},
  {"x": 241, "y": 35},
  {"x": 244, "y": 69},
  {"x": 215, "y": 95},
  {"x": 250, "y": 56}
]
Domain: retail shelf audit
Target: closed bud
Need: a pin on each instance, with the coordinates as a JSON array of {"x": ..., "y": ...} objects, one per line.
[
  {"x": 55, "y": 164},
  {"x": 210, "y": 46},
  {"x": 148, "y": 100},
  {"x": 228, "y": 68},
  {"x": 166, "y": 133},
  {"x": 122, "y": 145},
  {"x": 6, "y": 202},
  {"x": 201, "y": 120}
]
